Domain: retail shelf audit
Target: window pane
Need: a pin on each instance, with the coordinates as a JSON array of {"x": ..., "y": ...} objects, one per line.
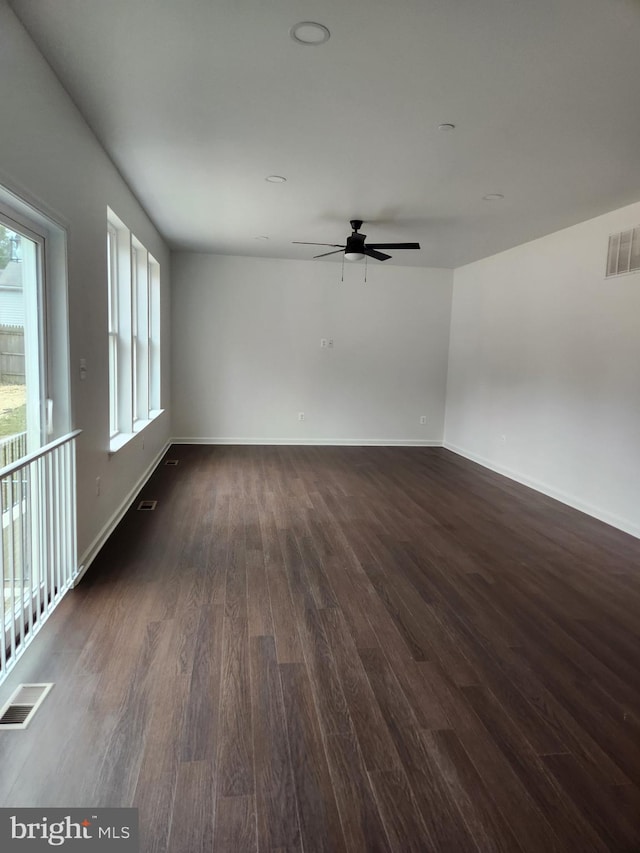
[
  {"x": 112, "y": 293},
  {"x": 612, "y": 258},
  {"x": 624, "y": 252},
  {"x": 113, "y": 396},
  {"x": 112, "y": 278},
  {"x": 635, "y": 250},
  {"x": 141, "y": 336},
  {"x": 134, "y": 326},
  {"x": 154, "y": 336},
  {"x": 21, "y": 395}
]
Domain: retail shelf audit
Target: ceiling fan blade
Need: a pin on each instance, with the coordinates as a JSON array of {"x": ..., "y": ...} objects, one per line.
[
  {"x": 337, "y": 251},
  {"x": 393, "y": 245},
  {"x": 300, "y": 243},
  {"x": 377, "y": 255}
]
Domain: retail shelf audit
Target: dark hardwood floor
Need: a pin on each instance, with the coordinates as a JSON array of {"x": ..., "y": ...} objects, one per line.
[{"x": 345, "y": 649}]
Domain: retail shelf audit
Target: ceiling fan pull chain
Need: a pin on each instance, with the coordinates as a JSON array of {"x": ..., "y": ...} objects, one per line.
[
  {"x": 365, "y": 268},
  {"x": 342, "y": 267}
]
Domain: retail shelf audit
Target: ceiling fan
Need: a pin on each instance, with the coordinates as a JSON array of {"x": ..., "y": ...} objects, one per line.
[{"x": 355, "y": 248}]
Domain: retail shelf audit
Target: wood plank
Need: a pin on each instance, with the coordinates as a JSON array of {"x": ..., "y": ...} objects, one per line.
[
  {"x": 570, "y": 827},
  {"x": 285, "y": 628},
  {"x": 235, "y": 754},
  {"x": 317, "y": 810},
  {"x": 434, "y": 799},
  {"x": 235, "y": 600},
  {"x": 352, "y": 601},
  {"x": 258, "y": 605},
  {"x": 500, "y": 779},
  {"x": 597, "y": 803},
  {"x": 402, "y": 819},
  {"x": 117, "y": 777},
  {"x": 487, "y": 825},
  {"x": 331, "y": 703},
  {"x": 200, "y": 726},
  {"x": 276, "y": 805},
  {"x": 368, "y": 722},
  {"x": 361, "y": 821},
  {"x": 235, "y": 828},
  {"x": 192, "y": 817}
]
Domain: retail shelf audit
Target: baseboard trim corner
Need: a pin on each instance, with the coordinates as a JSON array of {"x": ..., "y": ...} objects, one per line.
[{"x": 573, "y": 501}]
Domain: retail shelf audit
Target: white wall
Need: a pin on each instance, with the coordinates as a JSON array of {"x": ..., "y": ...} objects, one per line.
[
  {"x": 546, "y": 352},
  {"x": 49, "y": 156},
  {"x": 247, "y": 354}
]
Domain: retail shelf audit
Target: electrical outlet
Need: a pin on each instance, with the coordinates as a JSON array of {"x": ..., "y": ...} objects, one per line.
[
  {"x": 503, "y": 439},
  {"x": 300, "y": 416},
  {"x": 423, "y": 420},
  {"x": 330, "y": 343},
  {"x": 323, "y": 342},
  {"x": 98, "y": 486}
]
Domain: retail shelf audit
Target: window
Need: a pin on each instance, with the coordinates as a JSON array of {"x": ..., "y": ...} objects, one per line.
[
  {"x": 34, "y": 351},
  {"x": 624, "y": 252},
  {"x": 134, "y": 333}
]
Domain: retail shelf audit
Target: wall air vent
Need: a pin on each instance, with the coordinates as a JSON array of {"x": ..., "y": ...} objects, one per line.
[
  {"x": 624, "y": 252},
  {"x": 147, "y": 506},
  {"x": 20, "y": 709}
]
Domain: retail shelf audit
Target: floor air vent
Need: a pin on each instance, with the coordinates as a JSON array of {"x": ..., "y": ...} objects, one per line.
[
  {"x": 171, "y": 461},
  {"x": 19, "y": 710},
  {"x": 147, "y": 506}
]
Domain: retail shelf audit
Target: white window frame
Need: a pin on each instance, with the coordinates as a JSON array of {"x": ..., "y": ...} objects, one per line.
[
  {"x": 39, "y": 424},
  {"x": 134, "y": 334},
  {"x": 112, "y": 278},
  {"x": 53, "y": 376},
  {"x": 154, "y": 350}
]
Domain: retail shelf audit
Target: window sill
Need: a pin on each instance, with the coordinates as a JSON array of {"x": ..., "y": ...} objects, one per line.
[{"x": 123, "y": 438}]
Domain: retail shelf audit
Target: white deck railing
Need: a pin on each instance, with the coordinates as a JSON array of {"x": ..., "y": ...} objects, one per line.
[
  {"x": 12, "y": 448},
  {"x": 38, "y": 559}
]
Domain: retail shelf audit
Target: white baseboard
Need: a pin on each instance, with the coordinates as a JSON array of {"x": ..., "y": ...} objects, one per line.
[
  {"x": 92, "y": 551},
  {"x": 332, "y": 442},
  {"x": 573, "y": 501}
]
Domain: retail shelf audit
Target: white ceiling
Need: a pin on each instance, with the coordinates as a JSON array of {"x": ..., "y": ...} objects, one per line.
[{"x": 197, "y": 101}]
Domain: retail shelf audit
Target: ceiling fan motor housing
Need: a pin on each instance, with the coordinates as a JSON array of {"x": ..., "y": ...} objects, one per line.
[{"x": 355, "y": 243}]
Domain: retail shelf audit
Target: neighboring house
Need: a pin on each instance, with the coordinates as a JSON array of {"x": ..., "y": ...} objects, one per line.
[{"x": 11, "y": 299}]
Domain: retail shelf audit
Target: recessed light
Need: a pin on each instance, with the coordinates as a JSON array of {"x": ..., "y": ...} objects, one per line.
[
  {"x": 493, "y": 197},
  {"x": 446, "y": 126},
  {"x": 276, "y": 179},
  {"x": 309, "y": 33}
]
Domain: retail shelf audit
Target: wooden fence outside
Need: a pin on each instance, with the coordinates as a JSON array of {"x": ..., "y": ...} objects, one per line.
[{"x": 12, "y": 355}]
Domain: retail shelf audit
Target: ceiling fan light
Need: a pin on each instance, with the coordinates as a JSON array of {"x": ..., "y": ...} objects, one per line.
[{"x": 354, "y": 256}]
